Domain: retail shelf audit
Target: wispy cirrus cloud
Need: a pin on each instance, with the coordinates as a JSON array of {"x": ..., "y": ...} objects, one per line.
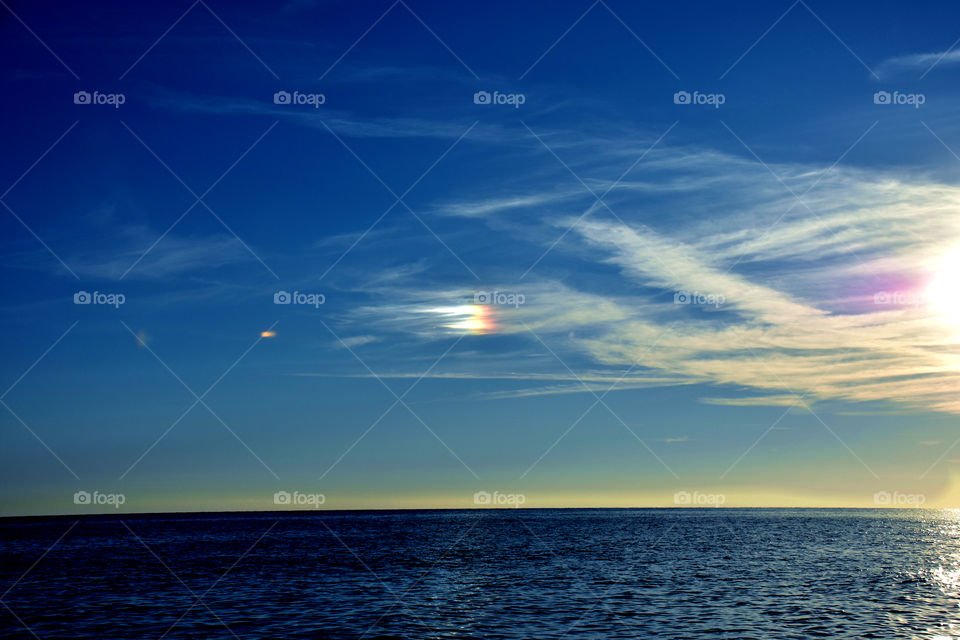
[
  {"x": 782, "y": 400},
  {"x": 917, "y": 62},
  {"x": 776, "y": 341},
  {"x": 173, "y": 256},
  {"x": 799, "y": 274},
  {"x": 138, "y": 252},
  {"x": 342, "y": 121}
]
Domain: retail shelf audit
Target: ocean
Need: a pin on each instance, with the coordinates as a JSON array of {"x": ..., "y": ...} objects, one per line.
[{"x": 514, "y": 573}]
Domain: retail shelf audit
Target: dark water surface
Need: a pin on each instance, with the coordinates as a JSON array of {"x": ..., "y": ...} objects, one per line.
[{"x": 653, "y": 573}]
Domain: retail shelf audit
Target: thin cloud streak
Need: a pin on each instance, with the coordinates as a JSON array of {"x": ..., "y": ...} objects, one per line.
[{"x": 914, "y": 62}]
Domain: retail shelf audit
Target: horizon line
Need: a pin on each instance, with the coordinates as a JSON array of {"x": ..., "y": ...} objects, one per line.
[{"x": 301, "y": 512}]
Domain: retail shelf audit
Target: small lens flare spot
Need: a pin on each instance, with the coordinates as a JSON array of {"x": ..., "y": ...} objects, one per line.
[{"x": 268, "y": 334}]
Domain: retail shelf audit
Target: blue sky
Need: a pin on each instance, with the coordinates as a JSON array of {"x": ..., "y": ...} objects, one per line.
[{"x": 754, "y": 298}]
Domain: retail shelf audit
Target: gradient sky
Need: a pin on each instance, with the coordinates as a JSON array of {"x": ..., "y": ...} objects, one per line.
[{"x": 824, "y": 224}]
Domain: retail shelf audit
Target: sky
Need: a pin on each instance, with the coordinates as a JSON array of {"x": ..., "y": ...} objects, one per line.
[{"x": 408, "y": 254}]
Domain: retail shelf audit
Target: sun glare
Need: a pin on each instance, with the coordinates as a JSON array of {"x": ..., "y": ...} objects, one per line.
[{"x": 943, "y": 292}]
